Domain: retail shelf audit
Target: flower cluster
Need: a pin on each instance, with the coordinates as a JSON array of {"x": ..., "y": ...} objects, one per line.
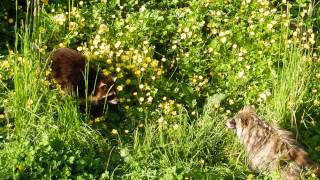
[{"x": 169, "y": 106}]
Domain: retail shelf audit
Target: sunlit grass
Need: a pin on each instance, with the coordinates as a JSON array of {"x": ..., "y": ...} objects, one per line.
[{"x": 182, "y": 68}]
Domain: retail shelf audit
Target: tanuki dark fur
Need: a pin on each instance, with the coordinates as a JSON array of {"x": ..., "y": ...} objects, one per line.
[{"x": 270, "y": 148}]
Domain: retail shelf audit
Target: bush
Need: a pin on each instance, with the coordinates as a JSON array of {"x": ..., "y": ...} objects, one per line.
[{"x": 182, "y": 67}]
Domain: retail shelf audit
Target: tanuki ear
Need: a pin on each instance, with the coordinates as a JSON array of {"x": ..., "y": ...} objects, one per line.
[{"x": 248, "y": 108}]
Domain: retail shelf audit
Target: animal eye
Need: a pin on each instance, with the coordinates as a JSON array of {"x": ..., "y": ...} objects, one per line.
[{"x": 111, "y": 93}]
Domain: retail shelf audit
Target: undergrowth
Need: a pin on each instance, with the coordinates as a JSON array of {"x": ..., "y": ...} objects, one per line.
[{"x": 182, "y": 68}]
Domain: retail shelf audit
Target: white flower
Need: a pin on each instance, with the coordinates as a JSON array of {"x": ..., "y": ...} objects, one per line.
[
  {"x": 141, "y": 99},
  {"x": 222, "y": 34},
  {"x": 149, "y": 99},
  {"x": 261, "y": 10},
  {"x": 241, "y": 74},
  {"x": 120, "y": 88},
  {"x": 223, "y": 39},
  {"x": 143, "y": 8},
  {"x": 312, "y": 41},
  {"x": 186, "y": 30},
  {"x": 295, "y": 33},
  {"x": 124, "y": 152},
  {"x": 306, "y": 46},
  {"x": 79, "y": 48},
  {"x": 231, "y": 101},
  {"x": 160, "y": 120},
  {"x": 59, "y": 18},
  {"x": 103, "y": 28},
  {"x": 117, "y": 45},
  {"x": 183, "y": 36},
  {"x": 175, "y": 126},
  {"x": 114, "y": 131}
]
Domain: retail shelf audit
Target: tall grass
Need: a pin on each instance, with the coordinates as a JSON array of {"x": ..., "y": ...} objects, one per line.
[
  {"x": 195, "y": 150},
  {"x": 290, "y": 84},
  {"x": 48, "y": 134}
]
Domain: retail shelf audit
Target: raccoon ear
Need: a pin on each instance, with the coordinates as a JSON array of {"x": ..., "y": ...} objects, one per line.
[
  {"x": 114, "y": 78},
  {"x": 102, "y": 84}
]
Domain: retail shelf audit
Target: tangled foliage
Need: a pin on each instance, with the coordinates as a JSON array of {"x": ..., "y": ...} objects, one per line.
[{"x": 170, "y": 58}]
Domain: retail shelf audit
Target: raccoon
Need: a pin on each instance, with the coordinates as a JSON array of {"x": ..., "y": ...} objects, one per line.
[
  {"x": 68, "y": 68},
  {"x": 270, "y": 148}
]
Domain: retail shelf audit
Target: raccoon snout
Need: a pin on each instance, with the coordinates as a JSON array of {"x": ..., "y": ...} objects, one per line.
[
  {"x": 231, "y": 124},
  {"x": 114, "y": 101},
  {"x": 111, "y": 97}
]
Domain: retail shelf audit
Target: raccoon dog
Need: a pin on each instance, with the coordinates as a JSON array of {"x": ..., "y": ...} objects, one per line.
[
  {"x": 270, "y": 148},
  {"x": 68, "y": 69}
]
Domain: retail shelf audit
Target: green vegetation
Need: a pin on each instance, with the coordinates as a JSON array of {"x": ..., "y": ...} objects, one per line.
[{"x": 182, "y": 68}]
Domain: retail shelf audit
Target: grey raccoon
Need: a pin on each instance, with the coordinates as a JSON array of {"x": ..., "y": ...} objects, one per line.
[
  {"x": 68, "y": 68},
  {"x": 270, "y": 148}
]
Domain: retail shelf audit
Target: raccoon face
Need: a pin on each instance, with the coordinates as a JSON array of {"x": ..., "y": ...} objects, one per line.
[{"x": 105, "y": 91}]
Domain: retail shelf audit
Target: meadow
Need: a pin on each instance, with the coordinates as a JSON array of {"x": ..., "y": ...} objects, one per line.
[{"x": 182, "y": 66}]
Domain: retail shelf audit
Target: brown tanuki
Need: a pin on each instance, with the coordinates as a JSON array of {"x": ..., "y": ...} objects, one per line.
[
  {"x": 270, "y": 148},
  {"x": 69, "y": 70}
]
